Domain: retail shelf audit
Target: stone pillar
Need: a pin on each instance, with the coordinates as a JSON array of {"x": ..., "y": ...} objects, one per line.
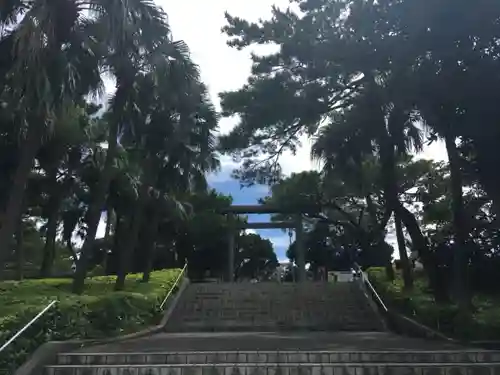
[
  {"x": 230, "y": 256},
  {"x": 300, "y": 256}
]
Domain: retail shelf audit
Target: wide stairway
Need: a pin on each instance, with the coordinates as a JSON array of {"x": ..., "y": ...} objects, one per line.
[
  {"x": 272, "y": 307},
  {"x": 276, "y": 329}
]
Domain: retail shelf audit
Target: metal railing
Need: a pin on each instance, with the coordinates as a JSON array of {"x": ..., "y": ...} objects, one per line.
[
  {"x": 173, "y": 286},
  {"x": 366, "y": 281},
  {"x": 20, "y": 332},
  {"x": 398, "y": 322},
  {"x": 51, "y": 304}
]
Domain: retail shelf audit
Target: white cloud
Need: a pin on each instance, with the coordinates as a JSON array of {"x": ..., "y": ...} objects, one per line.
[
  {"x": 199, "y": 24},
  {"x": 223, "y": 68},
  {"x": 279, "y": 241},
  {"x": 436, "y": 151},
  {"x": 301, "y": 161},
  {"x": 224, "y": 174}
]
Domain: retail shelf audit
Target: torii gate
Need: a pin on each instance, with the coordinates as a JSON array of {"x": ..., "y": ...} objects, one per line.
[{"x": 265, "y": 209}]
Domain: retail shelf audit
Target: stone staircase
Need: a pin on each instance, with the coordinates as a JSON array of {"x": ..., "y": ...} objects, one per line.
[
  {"x": 271, "y": 307},
  {"x": 275, "y": 329},
  {"x": 279, "y": 363}
]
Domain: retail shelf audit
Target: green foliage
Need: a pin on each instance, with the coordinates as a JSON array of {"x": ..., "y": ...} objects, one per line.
[
  {"x": 362, "y": 80},
  {"x": 161, "y": 111},
  {"x": 255, "y": 256},
  {"x": 98, "y": 313},
  {"x": 342, "y": 215},
  {"x": 419, "y": 304}
]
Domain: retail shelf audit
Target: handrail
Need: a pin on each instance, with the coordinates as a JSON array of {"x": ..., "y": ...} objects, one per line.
[
  {"x": 377, "y": 296},
  {"x": 28, "y": 325},
  {"x": 414, "y": 323},
  {"x": 173, "y": 286},
  {"x": 366, "y": 280}
]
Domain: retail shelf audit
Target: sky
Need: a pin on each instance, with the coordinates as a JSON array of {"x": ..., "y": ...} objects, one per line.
[{"x": 199, "y": 23}]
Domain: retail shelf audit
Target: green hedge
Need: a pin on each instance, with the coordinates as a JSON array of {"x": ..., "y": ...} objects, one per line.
[
  {"x": 98, "y": 313},
  {"x": 420, "y": 305}
]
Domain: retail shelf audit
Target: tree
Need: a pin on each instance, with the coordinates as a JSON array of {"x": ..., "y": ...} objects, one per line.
[
  {"x": 138, "y": 47},
  {"x": 46, "y": 46},
  {"x": 146, "y": 153},
  {"x": 396, "y": 55},
  {"x": 338, "y": 218},
  {"x": 201, "y": 237},
  {"x": 255, "y": 257},
  {"x": 60, "y": 158},
  {"x": 172, "y": 129},
  {"x": 351, "y": 136},
  {"x": 320, "y": 93}
]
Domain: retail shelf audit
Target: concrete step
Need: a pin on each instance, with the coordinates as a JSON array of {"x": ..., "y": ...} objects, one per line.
[
  {"x": 241, "y": 310},
  {"x": 256, "y": 314},
  {"x": 270, "y": 306},
  {"x": 303, "y": 341},
  {"x": 282, "y": 369},
  {"x": 281, "y": 357},
  {"x": 308, "y": 290},
  {"x": 237, "y": 326}
]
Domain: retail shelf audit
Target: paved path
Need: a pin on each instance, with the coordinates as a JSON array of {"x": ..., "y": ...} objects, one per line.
[{"x": 251, "y": 341}]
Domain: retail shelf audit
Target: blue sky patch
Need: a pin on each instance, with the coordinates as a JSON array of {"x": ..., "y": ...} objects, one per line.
[{"x": 251, "y": 195}]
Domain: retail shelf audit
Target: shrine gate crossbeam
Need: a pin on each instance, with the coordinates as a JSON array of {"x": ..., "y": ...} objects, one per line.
[{"x": 296, "y": 224}]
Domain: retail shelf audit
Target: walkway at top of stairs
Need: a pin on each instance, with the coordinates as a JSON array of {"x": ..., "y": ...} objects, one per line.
[{"x": 287, "y": 341}]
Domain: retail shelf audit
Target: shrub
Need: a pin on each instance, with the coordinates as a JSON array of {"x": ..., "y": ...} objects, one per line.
[
  {"x": 98, "y": 313},
  {"x": 484, "y": 324}
]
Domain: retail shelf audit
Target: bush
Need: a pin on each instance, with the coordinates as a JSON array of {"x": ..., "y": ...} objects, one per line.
[
  {"x": 420, "y": 305},
  {"x": 98, "y": 313}
]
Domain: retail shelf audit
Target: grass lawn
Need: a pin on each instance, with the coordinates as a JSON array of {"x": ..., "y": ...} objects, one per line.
[
  {"x": 99, "y": 312},
  {"x": 35, "y": 294},
  {"x": 420, "y": 305}
]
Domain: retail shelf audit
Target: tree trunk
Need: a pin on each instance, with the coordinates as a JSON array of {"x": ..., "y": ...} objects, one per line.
[
  {"x": 436, "y": 284},
  {"x": 109, "y": 221},
  {"x": 378, "y": 232},
  {"x": 391, "y": 196},
  {"x": 71, "y": 250},
  {"x": 12, "y": 213},
  {"x": 95, "y": 209},
  {"x": 410, "y": 222},
  {"x": 461, "y": 229},
  {"x": 387, "y": 152},
  {"x": 127, "y": 250},
  {"x": 19, "y": 250},
  {"x": 389, "y": 272},
  {"x": 403, "y": 255},
  {"x": 146, "y": 275},
  {"x": 50, "y": 241},
  {"x": 150, "y": 246},
  {"x": 107, "y": 236},
  {"x": 49, "y": 248},
  {"x": 118, "y": 232}
]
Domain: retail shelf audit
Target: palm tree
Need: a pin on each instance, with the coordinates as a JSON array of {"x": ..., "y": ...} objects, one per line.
[
  {"x": 373, "y": 126},
  {"x": 173, "y": 135},
  {"x": 53, "y": 55},
  {"x": 135, "y": 44},
  {"x": 61, "y": 159}
]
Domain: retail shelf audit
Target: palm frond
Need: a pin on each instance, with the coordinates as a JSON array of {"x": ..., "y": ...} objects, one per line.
[
  {"x": 341, "y": 143},
  {"x": 10, "y": 13}
]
